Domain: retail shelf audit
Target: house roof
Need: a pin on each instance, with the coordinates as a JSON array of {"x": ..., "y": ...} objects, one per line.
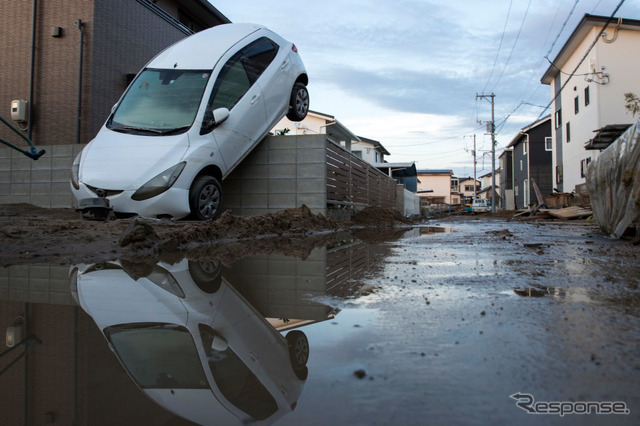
[
  {"x": 606, "y": 135},
  {"x": 334, "y": 127},
  {"x": 521, "y": 133},
  {"x": 587, "y": 23},
  {"x": 401, "y": 169},
  {"x": 376, "y": 145},
  {"x": 198, "y": 6},
  {"x": 435, "y": 172}
]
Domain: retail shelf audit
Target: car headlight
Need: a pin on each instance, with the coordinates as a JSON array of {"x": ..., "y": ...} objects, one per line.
[
  {"x": 75, "y": 170},
  {"x": 160, "y": 183}
]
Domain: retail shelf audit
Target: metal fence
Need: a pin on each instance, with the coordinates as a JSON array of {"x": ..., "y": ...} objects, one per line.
[{"x": 352, "y": 181}]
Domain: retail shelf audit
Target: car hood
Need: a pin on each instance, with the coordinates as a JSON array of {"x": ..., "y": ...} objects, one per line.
[{"x": 120, "y": 161}]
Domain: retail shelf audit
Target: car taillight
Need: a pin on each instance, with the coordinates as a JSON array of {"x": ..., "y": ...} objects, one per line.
[{"x": 294, "y": 48}]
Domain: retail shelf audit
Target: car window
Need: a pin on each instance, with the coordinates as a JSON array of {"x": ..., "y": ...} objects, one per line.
[
  {"x": 241, "y": 71},
  {"x": 235, "y": 380},
  {"x": 231, "y": 85},
  {"x": 258, "y": 55},
  {"x": 160, "y": 100}
]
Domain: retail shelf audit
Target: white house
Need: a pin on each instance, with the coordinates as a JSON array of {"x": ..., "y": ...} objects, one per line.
[
  {"x": 588, "y": 80},
  {"x": 317, "y": 123}
]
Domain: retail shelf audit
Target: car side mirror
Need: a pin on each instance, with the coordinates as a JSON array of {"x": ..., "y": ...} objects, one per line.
[{"x": 213, "y": 118}]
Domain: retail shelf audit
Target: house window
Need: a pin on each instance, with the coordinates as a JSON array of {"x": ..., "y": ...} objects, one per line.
[
  {"x": 515, "y": 190},
  {"x": 558, "y": 118},
  {"x": 558, "y": 174},
  {"x": 576, "y": 104},
  {"x": 583, "y": 166},
  {"x": 357, "y": 154},
  {"x": 520, "y": 165},
  {"x": 548, "y": 143},
  {"x": 568, "y": 132},
  {"x": 525, "y": 192},
  {"x": 468, "y": 188},
  {"x": 524, "y": 147},
  {"x": 586, "y": 96}
]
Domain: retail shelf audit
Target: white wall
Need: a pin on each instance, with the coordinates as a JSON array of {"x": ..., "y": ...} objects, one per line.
[{"x": 606, "y": 106}]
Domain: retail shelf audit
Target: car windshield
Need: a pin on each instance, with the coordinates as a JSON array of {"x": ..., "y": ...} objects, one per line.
[
  {"x": 160, "y": 101},
  {"x": 158, "y": 356}
]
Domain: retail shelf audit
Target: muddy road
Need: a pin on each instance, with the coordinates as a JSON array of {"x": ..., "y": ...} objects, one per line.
[{"x": 461, "y": 320}]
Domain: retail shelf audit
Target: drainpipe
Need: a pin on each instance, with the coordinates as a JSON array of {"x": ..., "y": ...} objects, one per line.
[
  {"x": 79, "y": 120},
  {"x": 33, "y": 63}
]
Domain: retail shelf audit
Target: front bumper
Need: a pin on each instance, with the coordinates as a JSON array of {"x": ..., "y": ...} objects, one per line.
[{"x": 173, "y": 203}]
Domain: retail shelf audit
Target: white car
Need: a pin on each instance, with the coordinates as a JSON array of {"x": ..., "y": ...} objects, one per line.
[
  {"x": 480, "y": 205},
  {"x": 187, "y": 120},
  {"x": 192, "y": 343}
]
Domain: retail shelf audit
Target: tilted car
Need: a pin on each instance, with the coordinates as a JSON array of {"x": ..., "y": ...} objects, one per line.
[{"x": 190, "y": 116}]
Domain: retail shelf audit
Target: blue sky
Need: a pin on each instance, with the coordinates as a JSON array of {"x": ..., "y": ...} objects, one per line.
[{"x": 406, "y": 72}]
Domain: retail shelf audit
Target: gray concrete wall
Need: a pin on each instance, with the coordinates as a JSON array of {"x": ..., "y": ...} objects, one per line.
[
  {"x": 282, "y": 172},
  {"x": 43, "y": 183}
]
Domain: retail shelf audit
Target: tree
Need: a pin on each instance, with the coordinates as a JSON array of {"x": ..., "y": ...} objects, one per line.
[{"x": 632, "y": 103}]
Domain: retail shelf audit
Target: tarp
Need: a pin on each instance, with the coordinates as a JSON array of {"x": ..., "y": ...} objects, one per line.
[{"x": 613, "y": 180}]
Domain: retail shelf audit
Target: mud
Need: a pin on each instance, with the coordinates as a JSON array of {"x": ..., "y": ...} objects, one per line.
[{"x": 32, "y": 234}]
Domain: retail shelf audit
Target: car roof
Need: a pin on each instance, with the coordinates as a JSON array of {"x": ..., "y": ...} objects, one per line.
[{"x": 202, "y": 50}]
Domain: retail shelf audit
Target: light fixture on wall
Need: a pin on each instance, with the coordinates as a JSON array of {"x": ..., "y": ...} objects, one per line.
[{"x": 15, "y": 332}]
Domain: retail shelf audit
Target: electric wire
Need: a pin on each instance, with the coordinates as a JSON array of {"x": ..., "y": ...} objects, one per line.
[
  {"x": 495, "y": 61},
  {"x": 604, "y": 27},
  {"x": 524, "y": 18}
]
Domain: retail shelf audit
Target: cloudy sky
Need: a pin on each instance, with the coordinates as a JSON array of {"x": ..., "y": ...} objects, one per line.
[{"x": 406, "y": 72}]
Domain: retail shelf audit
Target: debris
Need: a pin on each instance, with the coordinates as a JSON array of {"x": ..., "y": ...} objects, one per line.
[
  {"x": 573, "y": 212},
  {"x": 360, "y": 374}
]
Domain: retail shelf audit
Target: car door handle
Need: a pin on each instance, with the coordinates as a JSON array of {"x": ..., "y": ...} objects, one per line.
[
  {"x": 285, "y": 64},
  {"x": 254, "y": 99}
]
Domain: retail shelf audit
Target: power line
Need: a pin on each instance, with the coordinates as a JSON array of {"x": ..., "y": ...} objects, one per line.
[
  {"x": 604, "y": 27},
  {"x": 524, "y": 18},
  {"x": 495, "y": 61}
]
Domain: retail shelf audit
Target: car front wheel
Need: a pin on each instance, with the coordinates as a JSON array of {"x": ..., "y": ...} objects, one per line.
[
  {"x": 299, "y": 103},
  {"x": 205, "y": 198}
]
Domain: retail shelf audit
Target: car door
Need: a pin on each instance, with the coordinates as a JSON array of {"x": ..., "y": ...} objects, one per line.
[{"x": 236, "y": 89}]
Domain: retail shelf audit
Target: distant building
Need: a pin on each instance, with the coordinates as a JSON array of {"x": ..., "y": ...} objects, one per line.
[
  {"x": 466, "y": 189},
  {"x": 531, "y": 151},
  {"x": 316, "y": 123},
  {"x": 434, "y": 187},
  {"x": 486, "y": 193},
  {"x": 588, "y": 80},
  {"x": 403, "y": 173},
  {"x": 369, "y": 150},
  {"x": 505, "y": 183}
]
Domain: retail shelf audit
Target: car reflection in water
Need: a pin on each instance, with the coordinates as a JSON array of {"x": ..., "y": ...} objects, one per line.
[{"x": 192, "y": 342}]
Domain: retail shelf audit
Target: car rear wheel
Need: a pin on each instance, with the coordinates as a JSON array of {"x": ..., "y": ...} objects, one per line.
[
  {"x": 205, "y": 198},
  {"x": 299, "y": 103},
  {"x": 298, "y": 348}
]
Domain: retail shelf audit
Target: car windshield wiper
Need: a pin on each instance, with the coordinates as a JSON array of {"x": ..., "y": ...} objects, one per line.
[
  {"x": 174, "y": 130},
  {"x": 137, "y": 129}
]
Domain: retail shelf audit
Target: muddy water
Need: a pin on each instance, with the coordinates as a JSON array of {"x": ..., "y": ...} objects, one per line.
[{"x": 440, "y": 325}]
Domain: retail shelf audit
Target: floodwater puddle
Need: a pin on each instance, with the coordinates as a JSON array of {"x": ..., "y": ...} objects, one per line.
[
  {"x": 381, "y": 325},
  {"x": 202, "y": 338}
]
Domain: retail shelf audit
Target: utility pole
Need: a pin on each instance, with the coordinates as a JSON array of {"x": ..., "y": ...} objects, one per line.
[{"x": 492, "y": 129}]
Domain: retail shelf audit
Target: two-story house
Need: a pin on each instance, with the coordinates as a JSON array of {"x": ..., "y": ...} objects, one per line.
[
  {"x": 435, "y": 187},
  {"x": 588, "y": 78},
  {"x": 316, "y": 123},
  {"x": 531, "y": 155}
]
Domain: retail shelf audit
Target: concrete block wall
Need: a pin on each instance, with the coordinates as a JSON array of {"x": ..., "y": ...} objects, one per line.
[
  {"x": 43, "y": 182},
  {"x": 36, "y": 284},
  {"x": 282, "y": 172},
  {"x": 280, "y": 286}
]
